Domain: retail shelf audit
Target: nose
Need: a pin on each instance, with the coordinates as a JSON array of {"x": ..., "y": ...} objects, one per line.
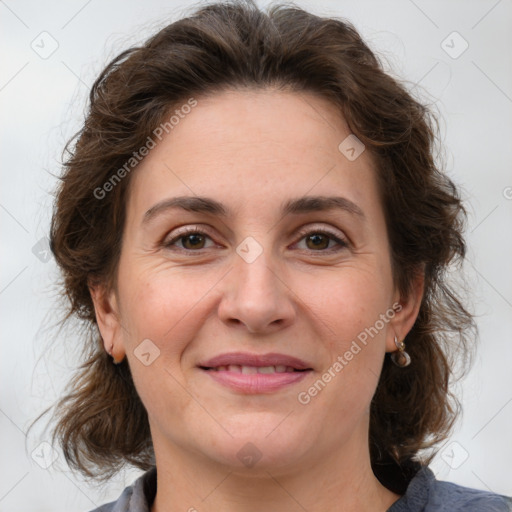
[{"x": 256, "y": 297}]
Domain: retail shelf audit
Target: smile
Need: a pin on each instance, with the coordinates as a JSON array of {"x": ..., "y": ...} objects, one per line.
[
  {"x": 250, "y": 373},
  {"x": 251, "y": 370}
]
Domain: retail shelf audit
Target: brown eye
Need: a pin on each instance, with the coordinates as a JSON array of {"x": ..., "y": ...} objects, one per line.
[
  {"x": 317, "y": 241},
  {"x": 321, "y": 241},
  {"x": 190, "y": 240},
  {"x": 193, "y": 241}
]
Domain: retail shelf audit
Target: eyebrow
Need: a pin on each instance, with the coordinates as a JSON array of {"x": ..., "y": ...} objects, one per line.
[{"x": 306, "y": 204}]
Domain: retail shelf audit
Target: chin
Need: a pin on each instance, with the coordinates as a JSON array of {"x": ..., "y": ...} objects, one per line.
[{"x": 259, "y": 444}]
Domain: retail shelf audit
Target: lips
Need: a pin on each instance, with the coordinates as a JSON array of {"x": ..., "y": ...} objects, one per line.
[
  {"x": 255, "y": 374},
  {"x": 249, "y": 370},
  {"x": 257, "y": 361}
]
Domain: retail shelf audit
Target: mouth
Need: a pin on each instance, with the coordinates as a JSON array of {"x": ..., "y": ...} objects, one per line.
[
  {"x": 271, "y": 362},
  {"x": 254, "y": 374},
  {"x": 251, "y": 370}
]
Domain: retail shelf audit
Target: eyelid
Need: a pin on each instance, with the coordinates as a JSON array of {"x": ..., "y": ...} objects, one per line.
[{"x": 320, "y": 228}]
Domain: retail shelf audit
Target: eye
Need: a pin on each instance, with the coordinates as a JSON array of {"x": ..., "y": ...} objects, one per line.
[
  {"x": 318, "y": 240},
  {"x": 322, "y": 240},
  {"x": 190, "y": 239}
]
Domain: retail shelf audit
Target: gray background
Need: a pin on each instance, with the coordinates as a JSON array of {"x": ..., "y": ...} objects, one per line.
[{"x": 42, "y": 98}]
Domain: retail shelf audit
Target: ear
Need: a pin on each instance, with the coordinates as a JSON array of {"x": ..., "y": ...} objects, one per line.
[
  {"x": 108, "y": 320},
  {"x": 406, "y": 311}
]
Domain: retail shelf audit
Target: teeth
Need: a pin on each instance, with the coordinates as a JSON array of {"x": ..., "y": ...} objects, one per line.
[
  {"x": 250, "y": 370},
  {"x": 267, "y": 369}
]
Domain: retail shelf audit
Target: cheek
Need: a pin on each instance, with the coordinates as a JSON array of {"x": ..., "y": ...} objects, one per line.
[
  {"x": 165, "y": 308},
  {"x": 349, "y": 324},
  {"x": 353, "y": 321},
  {"x": 163, "y": 305},
  {"x": 345, "y": 302}
]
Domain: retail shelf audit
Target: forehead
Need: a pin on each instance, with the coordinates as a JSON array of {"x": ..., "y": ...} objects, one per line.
[{"x": 251, "y": 147}]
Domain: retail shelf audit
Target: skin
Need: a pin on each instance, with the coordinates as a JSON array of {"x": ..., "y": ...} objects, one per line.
[{"x": 251, "y": 150}]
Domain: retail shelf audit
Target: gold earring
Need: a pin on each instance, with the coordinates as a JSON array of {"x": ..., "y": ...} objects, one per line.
[
  {"x": 401, "y": 358},
  {"x": 114, "y": 360}
]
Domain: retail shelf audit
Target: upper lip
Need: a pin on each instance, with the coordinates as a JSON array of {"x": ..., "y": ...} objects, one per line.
[{"x": 258, "y": 360}]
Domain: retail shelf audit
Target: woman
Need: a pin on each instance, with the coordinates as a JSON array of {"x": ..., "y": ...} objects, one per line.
[{"x": 253, "y": 226}]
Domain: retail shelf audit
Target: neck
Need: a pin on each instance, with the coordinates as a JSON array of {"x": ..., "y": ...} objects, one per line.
[{"x": 325, "y": 482}]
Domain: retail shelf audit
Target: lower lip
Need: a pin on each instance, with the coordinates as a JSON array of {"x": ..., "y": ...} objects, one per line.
[{"x": 254, "y": 383}]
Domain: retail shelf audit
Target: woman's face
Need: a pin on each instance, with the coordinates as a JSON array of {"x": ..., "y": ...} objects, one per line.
[{"x": 226, "y": 253}]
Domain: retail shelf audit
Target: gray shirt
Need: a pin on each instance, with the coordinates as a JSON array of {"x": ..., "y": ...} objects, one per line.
[{"x": 424, "y": 494}]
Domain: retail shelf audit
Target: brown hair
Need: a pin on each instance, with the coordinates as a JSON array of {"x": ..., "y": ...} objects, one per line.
[{"x": 102, "y": 423}]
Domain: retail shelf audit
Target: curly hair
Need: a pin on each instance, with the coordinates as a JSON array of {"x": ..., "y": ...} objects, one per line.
[{"x": 101, "y": 423}]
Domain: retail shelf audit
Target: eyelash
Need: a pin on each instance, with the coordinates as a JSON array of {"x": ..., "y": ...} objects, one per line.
[{"x": 343, "y": 244}]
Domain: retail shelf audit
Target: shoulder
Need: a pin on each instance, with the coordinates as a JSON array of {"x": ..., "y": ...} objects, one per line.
[
  {"x": 426, "y": 494},
  {"x": 450, "y": 496},
  {"x": 138, "y": 497}
]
